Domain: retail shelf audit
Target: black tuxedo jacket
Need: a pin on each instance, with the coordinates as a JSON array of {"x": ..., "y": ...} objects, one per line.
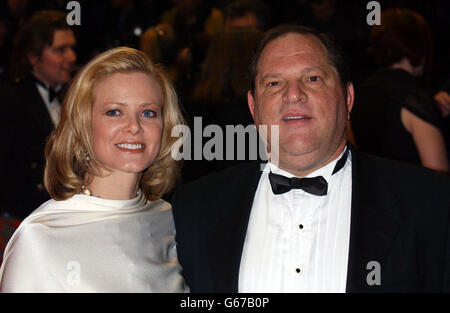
[
  {"x": 24, "y": 126},
  {"x": 399, "y": 217}
]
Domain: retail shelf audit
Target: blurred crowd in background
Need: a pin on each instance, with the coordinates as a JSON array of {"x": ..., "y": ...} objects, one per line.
[
  {"x": 206, "y": 47},
  {"x": 193, "y": 24}
]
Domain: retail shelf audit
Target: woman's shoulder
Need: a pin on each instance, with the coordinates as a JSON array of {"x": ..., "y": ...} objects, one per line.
[
  {"x": 18, "y": 273},
  {"x": 51, "y": 205},
  {"x": 159, "y": 205},
  {"x": 160, "y": 213},
  {"x": 46, "y": 208},
  {"x": 28, "y": 228},
  {"x": 160, "y": 208}
]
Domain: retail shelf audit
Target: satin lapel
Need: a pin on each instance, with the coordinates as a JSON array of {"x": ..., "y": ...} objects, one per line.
[
  {"x": 226, "y": 241},
  {"x": 36, "y": 106},
  {"x": 373, "y": 223}
]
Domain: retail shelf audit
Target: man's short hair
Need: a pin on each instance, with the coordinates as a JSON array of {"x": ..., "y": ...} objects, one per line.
[
  {"x": 334, "y": 51},
  {"x": 33, "y": 37}
]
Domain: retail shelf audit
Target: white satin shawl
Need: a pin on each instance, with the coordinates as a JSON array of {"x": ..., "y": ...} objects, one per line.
[{"x": 89, "y": 244}]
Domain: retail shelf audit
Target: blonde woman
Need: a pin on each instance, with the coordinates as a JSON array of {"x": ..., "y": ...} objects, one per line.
[{"x": 108, "y": 164}]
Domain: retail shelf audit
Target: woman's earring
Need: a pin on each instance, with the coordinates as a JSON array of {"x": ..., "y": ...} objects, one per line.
[{"x": 85, "y": 155}]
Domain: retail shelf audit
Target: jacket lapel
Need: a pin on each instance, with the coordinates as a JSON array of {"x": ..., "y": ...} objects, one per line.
[
  {"x": 36, "y": 106},
  {"x": 226, "y": 240},
  {"x": 374, "y": 223}
]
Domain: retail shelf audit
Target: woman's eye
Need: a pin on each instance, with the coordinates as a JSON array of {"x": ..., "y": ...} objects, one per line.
[
  {"x": 113, "y": 112},
  {"x": 149, "y": 113}
]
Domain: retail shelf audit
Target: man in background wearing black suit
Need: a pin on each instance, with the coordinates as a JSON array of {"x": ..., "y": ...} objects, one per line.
[
  {"x": 356, "y": 223},
  {"x": 42, "y": 63}
]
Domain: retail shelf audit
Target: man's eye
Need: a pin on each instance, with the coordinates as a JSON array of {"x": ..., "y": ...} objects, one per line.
[
  {"x": 149, "y": 113},
  {"x": 314, "y": 78},
  {"x": 60, "y": 50},
  {"x": 113, "y": 112},
  {"x": 272, "y": 84}
]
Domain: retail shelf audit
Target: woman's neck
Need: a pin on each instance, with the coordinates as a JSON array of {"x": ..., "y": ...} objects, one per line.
[{"x": 115, "y": 185}]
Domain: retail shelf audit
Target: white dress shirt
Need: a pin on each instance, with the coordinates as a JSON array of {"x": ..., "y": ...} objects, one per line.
[
  {"x": 296, "y": 241},
  {"x": 53, "y": 107},
  {"x": 89, "y": 244}
]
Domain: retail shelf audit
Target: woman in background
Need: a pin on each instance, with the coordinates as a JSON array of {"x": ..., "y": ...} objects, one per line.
[
  {"x": 108, "y": 164},
  {"x": 393, "y": 115},
  {"x": 220, "y": 94}
]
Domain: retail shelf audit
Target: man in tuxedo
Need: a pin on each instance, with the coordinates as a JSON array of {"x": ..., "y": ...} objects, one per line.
[
  {"x": 42, "y": 64},
  {"x": 325, "y": 217}
]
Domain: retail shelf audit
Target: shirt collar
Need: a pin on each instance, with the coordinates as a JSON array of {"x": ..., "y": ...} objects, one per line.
[{"x": 325, "y": 171}]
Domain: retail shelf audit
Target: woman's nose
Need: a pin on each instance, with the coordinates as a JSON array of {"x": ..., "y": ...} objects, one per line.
[{"x": 133, "y": 125}]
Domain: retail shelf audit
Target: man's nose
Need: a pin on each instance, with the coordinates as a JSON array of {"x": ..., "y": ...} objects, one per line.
[
  {"x": 294, "y": 93},
  {"x": 71, "y": 55}
]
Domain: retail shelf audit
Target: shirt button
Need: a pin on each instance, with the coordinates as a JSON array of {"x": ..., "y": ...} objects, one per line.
[
  {"x": 34, "y": 165},
  {"x": 300, "y": 226},
  {"x": 40, "y": 187},
  {"x": 297, "y": 270}
]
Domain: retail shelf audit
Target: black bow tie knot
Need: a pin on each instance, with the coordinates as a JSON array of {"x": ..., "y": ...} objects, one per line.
[
  {"x": 52, "y": 92},
  {"x": 315, "y": 185}
]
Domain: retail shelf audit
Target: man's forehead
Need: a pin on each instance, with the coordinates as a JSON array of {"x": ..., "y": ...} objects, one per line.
[
  {"x": 63, "y": 37},
  {"x": 293, "y": 45}
]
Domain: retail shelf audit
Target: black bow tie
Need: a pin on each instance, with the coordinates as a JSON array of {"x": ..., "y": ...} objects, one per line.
[
  {"x": 52, "y": 93},
  {"x": 314, "y": 185}
]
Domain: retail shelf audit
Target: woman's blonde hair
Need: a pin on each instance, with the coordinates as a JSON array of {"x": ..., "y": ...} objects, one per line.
[{"x": 70, "y": 146}]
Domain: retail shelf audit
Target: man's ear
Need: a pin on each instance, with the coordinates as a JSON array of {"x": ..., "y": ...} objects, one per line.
[
  {"x": 350, "y": 98},
  {"x": 251, "y": 103}
]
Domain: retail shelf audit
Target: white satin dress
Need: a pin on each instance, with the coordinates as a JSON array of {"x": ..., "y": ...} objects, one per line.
[{"x": 89, "y": 244}]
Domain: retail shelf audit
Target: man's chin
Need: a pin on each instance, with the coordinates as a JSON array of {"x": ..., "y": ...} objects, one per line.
[{"x": 298, "y": 146}]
